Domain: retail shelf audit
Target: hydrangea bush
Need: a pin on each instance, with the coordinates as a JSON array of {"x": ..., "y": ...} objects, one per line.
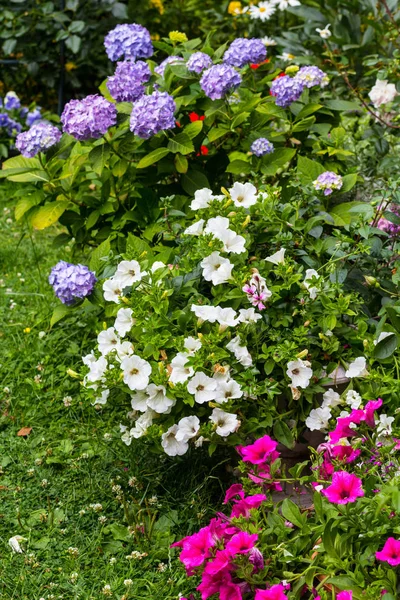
[{"x": 14, "y": 119}]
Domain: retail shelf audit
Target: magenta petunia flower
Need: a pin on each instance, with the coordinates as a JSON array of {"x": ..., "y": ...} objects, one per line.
[
  {"x": 345, "y": 488},
  {"x": 241, "y": 543},
  {"x": 276, "y": 592},
  {"x": 245, "y": 505},
  {"x": 259, "y": 452},
  {"x": 196, "y": 548},
  {"x": 390, "y": 552},
  {"x": 347, "y": 595},
  {"x": 370, "y": 409},
  {"x": 343, "y": 426},
  {"x": 235, "y": 490}
]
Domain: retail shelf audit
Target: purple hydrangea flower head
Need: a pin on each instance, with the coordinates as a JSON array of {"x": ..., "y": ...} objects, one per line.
[
  {"x": 311, "y": 76},
  {"x": 128, "y": 41},
  {"x": 126, "y": 85},
  {"x": 71, "y": 282},
  {"x": 286, "y": 90},
  {"x": 170, "y": 60},
  {"x": 88, "y": 118},
  {"x": 33, "y": 116},
  {"x": 243, "y": 51},
  {"x": 198, "y": 62},
  {"x": 328, "y": 182},
  {"x": 217, "y": 81},
  {"x": 11, "y": 101},
  {"x": 13, "y": 127},
  {"x": 37, "y": 139},
  {"x": 152, "y": 114},
  {"x": 261, "y": 146}
]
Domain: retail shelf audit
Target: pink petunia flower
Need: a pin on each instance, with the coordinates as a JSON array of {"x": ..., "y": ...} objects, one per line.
[
  {"x": 345, "y": 488},
  {"x": 390, "y": 552},
  {"x": 369, "y": 411},
  {"x": 196, "y": 548},
  {"x": 244, "y": 506},
  {"x": 230, "y": 591},
  {"x": 212, "y": 584},
  {"x": 345, "y": 453},
  {"x": 235, "y": 490},
  {"x": 343, "y": 426},
  {"x": 263, "y": 449},
  {"x": 276, "y": 592},
  {"x": 347, "y": 595},
  {"x": 241, "y": 543},
  {"x": 220, "y": 563}
]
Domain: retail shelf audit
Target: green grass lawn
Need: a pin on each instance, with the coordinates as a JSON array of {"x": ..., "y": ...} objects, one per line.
[{"x": 93, "y": 513}]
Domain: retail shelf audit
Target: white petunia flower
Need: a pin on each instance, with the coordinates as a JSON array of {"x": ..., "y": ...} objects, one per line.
[
  {"x": 232, "y": 242},
  {"x": 300, "y": 373},
  {"x": 128, "y": 272},
  {"x": 102, "y": 399},
  {"x": 243, "y": 194},
  {"x": 318, "y": 420},
  {"x": 357, "y": 368},
  {"x": 338, "y": 375},
  {"x": 14, "y": 543},
  {"x": 241, "y": 353},
  {"x": 331, "y": 399},
  {"x": 217, "y": 226},
  {"x": 107, "y": 341},
  {"x": 124, "y": 321},
  {"x": 226, "y": 423},
  {"x": 324, "y": 33},
  {"x": 263, "y": 11},
  {"x": 124, "y": 349},
  {"x": 112, "y": 289},
  {"x": 139, "y": 401},
  {"x": 248, "y": 315},
  {"x": 382, "y": 336},
  {"x": 195, "y": 229},
  {"x": 309, "y": 275},
  {"x": 136, "y": 372},
  {"x": 192, "y": 344},
  {"x": 202, "y": 199},
  {"x": 97, "y": 369},
  {"x": 278, "y": 258},
  {"x": 171, "y": 445},
  {"x": 205, "y": 312},
  {"x": 202, "y": 387},
  {"x": 179, "y": 371},
  {"x": 216, "y": 268},
  {"x": 89, "y": 359},
  {"x": 382, "y": 93},
  {"x": 267, "y": 41},
  {"x": 158, "y": 400},
  {"x": 227, "y": 317},
  {"x": 284, "y": 4},
  {"x": 158, "y": 264},
  {"x": 227, "y": 390},
  {"x": 353, "y": 399},
  {"x": 142, "y": 424},
  {"x": 384, "y": 425},
  {"x": 188, "y": 428}
]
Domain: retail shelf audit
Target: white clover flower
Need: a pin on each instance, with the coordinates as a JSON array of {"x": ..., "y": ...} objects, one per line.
[
  {"x": 102, "y": 399},
  {"x": 357, "y": 368},
  {"x": 179, "y": 371},
  {"x": 124, "y": 321},
  {"x": 128, "y": 272},
  {"x": 300, "y": 373},
  {"x": 158, "y": 399},
  {"x": 309, "y": 275},
  {"x": 267, "y": 41},
  {"x": 382, "y": 336},
  {"x": 243, "y": 194},
  {"x": 216, "y": 268},
  {"x": 136, "y": 372},
  {"x": 353, "y": 399},
  {"x": 205, "y": 312},
  {"x": 248, "y": 315},
  {"x": 226, "y": 423},
  {"x": 278, "y": 258},
  {"x": 202, "y": 199},
  {"x": 195, "y": 229},
  {"x": 331, "y": 399},
  {"x": 188, "y": 428},
  {"x": 124, "y": 349},
  {"x": 318, "y": 420},
  {"x": 107, "y": 341},
  {"x": 227, "y": 390},
  {"x": 112, "y": 289},
  {"x": 171, "y": 445},
  {"x": 382, "y": 93},
  {"x": 263, "y": 11},
  {"x": 324, "y": 33},
  {"x": 202, "y": 387},
  {"x": 139, "y": 401},
  {"x": 192, "y": 344},
  {"x": 240, "y": 352},
  {"x": 226, "y": 317},
  {"x": 14, "y": 543}
]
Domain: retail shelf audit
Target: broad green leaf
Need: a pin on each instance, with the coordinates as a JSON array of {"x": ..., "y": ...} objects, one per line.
[
  {"x": 349, "y": 181},
  {"x": 394, "y": 316},
  {"x": 216, "y": 132},
  {"x": 29, "y": 177},
  {"x": 98, "y": 157},
  {"x": 386, "y": 347},
  {"x": 292, "y": 513},
  {"x": 239, "y": 119},
  {"x": 272, "y": 110},
  {"x": 308, "y": 169},
  {"x": 238, "y": 166},
  {"x": 26, "y": 204},
  {"x": 135, "y": 247},
  {"x": 181, "y": 163},
  {"x": 20, "y": 162},
  {"x": 193, "y": 129},
  {"x": 194, "y": 180},
  {"x": 181, "y": 143},
  {"x": 346, "y": 583},
  {"x": 152, "y": 157},
  {"x": 283, "y": 434},
  {"x": 98, "y": 254},
  {"x": 303, "y": 124},
  {"x": 59, "y": 313},
  {"x": 342, "y": 105},
  {"x": 347, "y": 212},
  {"x": 307, "y": 110},
  {"x": 276, "y": 160},
  {"x": 328, "y": 539},
  {"x": 48, "y": 214}
]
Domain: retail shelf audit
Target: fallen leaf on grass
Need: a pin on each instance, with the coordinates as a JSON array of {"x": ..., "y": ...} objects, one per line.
[{"x": 24, "y": 431}]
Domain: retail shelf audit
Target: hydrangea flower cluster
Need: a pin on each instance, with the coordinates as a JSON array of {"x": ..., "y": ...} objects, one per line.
[
  {"x": 38, "y": 138},
  {"x": 198, "y": 62},
  {"x": 288, "y": 89},
  {"x": 170, "y": 60},
  {"x": 14, "y": 118},
  {"x": 220, "y": 80},
  {"x": 130, "y": 41},
  {"x": 243, "y": 51},
  {"x": 152, "y": 114},
  {"x": 11, "y": 101},
  {"x": 312, "y": 76},
  {"x": 89, "y": 118},
  {"x": 328, "y": 182},
  {"x": 126, "y": 85},
  {"x": 261, "y": 146},
  {"x": 71, "y": 282}
]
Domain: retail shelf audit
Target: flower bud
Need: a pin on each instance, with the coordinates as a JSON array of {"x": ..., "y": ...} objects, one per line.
[
  {"x": 291, "y": 70},
  {"x": 371, "y": 281},
  {"x": 302, "y": 354},
  {"x": 72, "y": 373}
]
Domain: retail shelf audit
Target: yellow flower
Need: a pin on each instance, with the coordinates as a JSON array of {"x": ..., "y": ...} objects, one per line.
[
  {"x": 158, "y": 5},
  {"x": 27, "y": 330},
  {"x": 177, "y": 36},
  {"x": 70, "y": 66},
  {"x": 234, "y": 8}
]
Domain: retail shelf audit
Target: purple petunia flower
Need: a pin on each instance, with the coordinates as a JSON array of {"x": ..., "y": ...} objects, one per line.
[
  {"x": 37, "y": 139},
  {"x": 243, "y": 51},
  {"x": 152, "y": 114},
  {"x": 286, "y": 90},
  {"x": 33, "y": 116},
  {"x": 328, "y": 182},
  {"x": 261, "y": 146},
  {"x": 88, "y": 118},
  {"x": 198, "y": 62},
  {"x": 126, "y": 85},
  {"x": 71, "y": 282},
  {"x": 170, "y": 60},
  {"x": 311, "y": 76},
  {"x": 11, "y": 101},
  {"x": 128, "y": 41},
  {"x": 219, "y": 80}
]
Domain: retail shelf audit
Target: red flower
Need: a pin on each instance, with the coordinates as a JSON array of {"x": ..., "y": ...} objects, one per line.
[
  {"x": 178, "y": 124},
  {"x": 257, "y": 65},
  {"x": 193, "y": 116},
  {"x": 204, "y": 150}
]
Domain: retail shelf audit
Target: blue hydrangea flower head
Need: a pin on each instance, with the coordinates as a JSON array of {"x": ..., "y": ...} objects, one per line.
[
  {"x": 152, "y": 114},
  {"x": 311, "y": 76},
  {"x": 328, "y": 182},
  {"x": 71, "y": 282},
  {"x": 198, "y": 62},
  {"x": 39, "y": 138},
  {"x": 286, "y": 90},
  {"x": 128, "y": 41},
  {"x": 219, "y": 80},
  {"x": 89, "y": 118},
  {"x": 261, "y": 146},
  {"x": 170, "y": 60},
  {"x": 243, "y": 51},
  {"x": 126, "y": 85},
  {"x": 11, "y": 101},
  {"x": 33, "y": 116}
]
